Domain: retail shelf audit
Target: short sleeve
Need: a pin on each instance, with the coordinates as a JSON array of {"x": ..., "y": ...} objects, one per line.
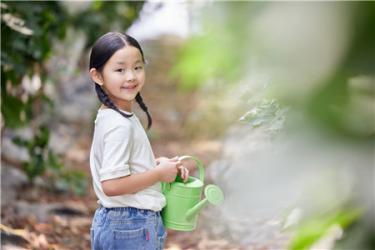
[{"x": 116, "y": 154}]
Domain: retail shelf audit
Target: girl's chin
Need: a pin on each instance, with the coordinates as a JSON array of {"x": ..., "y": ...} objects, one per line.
[
  {"x": 129, "y": 92},
  {"x": 128, "y": 97}
]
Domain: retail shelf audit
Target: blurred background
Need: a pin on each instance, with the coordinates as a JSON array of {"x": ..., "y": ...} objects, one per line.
[{"x": 276, "y": 98}]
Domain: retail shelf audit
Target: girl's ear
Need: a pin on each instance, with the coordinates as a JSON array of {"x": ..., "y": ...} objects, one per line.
[{"x": 96, "y": 76}]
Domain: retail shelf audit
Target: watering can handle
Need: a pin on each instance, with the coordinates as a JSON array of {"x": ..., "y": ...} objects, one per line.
[{"x": 198, "y": 164}]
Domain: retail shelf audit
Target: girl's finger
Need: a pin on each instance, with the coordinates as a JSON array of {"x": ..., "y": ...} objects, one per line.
[
  {"x": 181, "y": 170},
  {"x": 186, "y": 174},
  {"x": 183, "y": 173}
]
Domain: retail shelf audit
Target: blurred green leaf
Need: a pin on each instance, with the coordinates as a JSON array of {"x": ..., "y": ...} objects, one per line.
[
  {"x": 315, "y": 228},
  {"x": 267, "y": 112},
  {"x": 12, "y": 112},
  {"x": 207, "y": 57},
  {"x": 74, "y": 181}
]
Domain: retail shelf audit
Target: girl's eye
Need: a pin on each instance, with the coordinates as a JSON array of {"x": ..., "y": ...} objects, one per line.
[
  {"x": 138, "y": 68},
  {"x": 120, "y": 70}
]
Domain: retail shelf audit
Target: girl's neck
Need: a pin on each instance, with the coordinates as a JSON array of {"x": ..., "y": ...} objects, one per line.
[{"x": 127, "y": 109}]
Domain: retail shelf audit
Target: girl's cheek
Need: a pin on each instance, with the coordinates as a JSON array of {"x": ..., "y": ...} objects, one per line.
[{"x": 141, "y": 75}]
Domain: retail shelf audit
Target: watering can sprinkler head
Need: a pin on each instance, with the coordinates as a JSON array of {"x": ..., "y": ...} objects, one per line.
[{"x": 214, "y": 194}]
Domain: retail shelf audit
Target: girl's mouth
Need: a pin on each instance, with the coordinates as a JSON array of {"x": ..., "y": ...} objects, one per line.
[{"x": 130, "y": 87}]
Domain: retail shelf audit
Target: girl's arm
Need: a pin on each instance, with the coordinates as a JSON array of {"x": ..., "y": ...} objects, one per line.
[{"x": 165, "y": 171}]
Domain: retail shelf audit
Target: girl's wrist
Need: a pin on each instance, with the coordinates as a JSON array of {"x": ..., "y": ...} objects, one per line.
[
  {"x": 158, "y": 160},
  {"x": 157, "y": 173}
]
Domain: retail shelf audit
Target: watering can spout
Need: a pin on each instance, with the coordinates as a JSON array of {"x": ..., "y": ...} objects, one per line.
[
  {"x": 192, "y": 212},
  {"x": 213, "y": 194}
]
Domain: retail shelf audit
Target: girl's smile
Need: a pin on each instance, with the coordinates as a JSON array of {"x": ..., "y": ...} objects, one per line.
[{"x": 130, "y": 87}]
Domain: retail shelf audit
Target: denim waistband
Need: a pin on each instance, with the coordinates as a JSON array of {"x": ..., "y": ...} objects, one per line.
[{"x": 131, "y": 210}]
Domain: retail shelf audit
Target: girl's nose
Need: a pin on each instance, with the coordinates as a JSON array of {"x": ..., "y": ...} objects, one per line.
[{"x": 130, "y": 76}]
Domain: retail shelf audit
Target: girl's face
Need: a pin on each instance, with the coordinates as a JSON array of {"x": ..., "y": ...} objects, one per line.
[{"x": 122, "y": 77}]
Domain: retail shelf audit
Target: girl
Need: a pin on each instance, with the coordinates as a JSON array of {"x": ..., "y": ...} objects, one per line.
[{"x": 126, "y": 176}]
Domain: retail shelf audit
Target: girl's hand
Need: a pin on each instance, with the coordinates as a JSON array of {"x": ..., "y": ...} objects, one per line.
[
  {"x": 183, "y": 172},
  {"x": 161, "y": 159},
  {"x": 168, "y": 169}
]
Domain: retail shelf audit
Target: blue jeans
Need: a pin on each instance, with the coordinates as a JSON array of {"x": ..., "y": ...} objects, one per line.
[{"x": 127, "y": 228}]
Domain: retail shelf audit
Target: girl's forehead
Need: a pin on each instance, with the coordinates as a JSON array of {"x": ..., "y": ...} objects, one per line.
[{"x": 126, "y": 55}]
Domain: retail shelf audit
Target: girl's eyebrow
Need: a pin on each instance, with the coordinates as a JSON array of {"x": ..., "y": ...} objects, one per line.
[{"x": 123, "y": 63}]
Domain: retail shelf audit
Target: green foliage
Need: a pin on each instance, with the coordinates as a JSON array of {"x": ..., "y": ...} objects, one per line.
[
  {"x": 359, "y": 235},
  {"x": 332, "y": 105},
  {"x": 223, "y": 54},
  {"x": 339, "y": 105},
  {"x": 219, "y": 53},
  {"x": 315, "y": 228},
  {"x": 43, "y": 159},
  {"x": 359, "y": 57},
  {"x": 14, "y": 111},
  {"x": 342, "y": 108},
  {"x": 29, "y": 30},
  {"x": 38, "y": 151},
  {"x": 267, "y": 112},
  {"x": 74, "y": 181},
  {"x": 206, "y": 57}
]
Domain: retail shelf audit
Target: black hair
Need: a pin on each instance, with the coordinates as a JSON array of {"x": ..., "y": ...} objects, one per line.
[{"x": 101, "y": 52}]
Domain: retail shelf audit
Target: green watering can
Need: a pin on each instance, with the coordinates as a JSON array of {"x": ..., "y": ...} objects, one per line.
[{"x": 184, "y": 199}]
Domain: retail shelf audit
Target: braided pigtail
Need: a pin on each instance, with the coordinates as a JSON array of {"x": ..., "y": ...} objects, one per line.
[
  {"x": 143, "y": 106},
  {"x": 104, "y": 98}
]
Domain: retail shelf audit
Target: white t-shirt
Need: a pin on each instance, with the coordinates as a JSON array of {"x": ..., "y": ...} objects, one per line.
[{"x": 120, "y": 147}]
